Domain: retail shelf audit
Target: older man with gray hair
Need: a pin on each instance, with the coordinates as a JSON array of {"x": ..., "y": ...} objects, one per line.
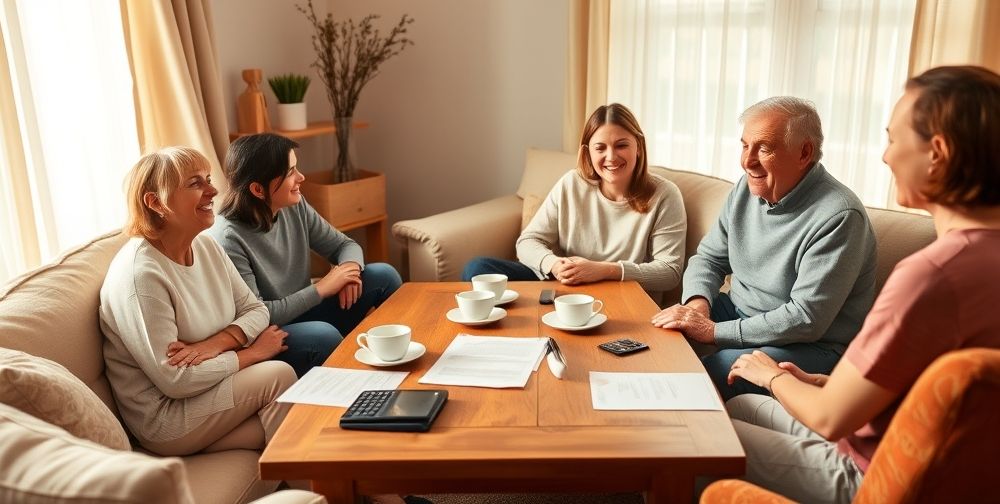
[{"x": 799, "y": 247}]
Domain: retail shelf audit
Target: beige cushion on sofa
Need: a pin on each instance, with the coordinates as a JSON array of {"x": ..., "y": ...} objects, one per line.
[
  {"x": 45, "y": 464},
  {"x": 51, "y": 312},
  {"x": 49, "y": 392},
  {"x": 542, "y": 169},
  {"x": 897, "y": 235},
  {"x": 532, "y": 202},
  {"x": 226, "y": 476},
  {"x": 704, "y": 196}
]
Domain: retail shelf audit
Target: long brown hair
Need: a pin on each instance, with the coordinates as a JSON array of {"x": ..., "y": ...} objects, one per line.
[{"x": 640, "y": 188}]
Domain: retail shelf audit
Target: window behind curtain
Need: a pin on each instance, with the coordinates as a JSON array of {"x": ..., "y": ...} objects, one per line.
[
  {"x": 688, "y": 68},
  {"x": 76, "y": 123}
]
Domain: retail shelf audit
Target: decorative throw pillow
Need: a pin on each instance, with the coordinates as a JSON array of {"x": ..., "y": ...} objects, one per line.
[
  {"x": 532, "y": 203},
  {"x": 48, "y": 391},
  {"x": 44, "y": 464}
]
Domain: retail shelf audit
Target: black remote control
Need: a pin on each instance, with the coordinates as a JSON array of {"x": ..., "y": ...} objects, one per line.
[
  {"x": 547, "y": 296},
  {"x": 623, "y": 346}
]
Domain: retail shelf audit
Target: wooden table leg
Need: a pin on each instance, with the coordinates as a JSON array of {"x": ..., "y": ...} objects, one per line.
[
  {"x": 375, "y": 238},
  {"x": 337, "y": 491},
  {"x": 668, "y": 488}
]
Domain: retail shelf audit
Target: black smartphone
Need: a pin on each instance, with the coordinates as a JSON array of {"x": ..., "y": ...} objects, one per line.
[{"x": 547, "y": 296}]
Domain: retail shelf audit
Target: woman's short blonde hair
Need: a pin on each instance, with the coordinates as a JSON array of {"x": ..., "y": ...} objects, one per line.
[{"x": 159, "y": 173}]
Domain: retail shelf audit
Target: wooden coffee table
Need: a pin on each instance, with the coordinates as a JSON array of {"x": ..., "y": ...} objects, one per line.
[{"x": 544, "y": 438}]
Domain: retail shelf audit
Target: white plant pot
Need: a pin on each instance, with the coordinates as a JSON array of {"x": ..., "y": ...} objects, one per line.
[{"x": 291, "y": 116}]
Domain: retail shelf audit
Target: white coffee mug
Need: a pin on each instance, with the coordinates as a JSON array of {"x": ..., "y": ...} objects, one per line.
[
  {"x": 387, "y": 342},
  {"x": 577, "y": 309},
  {"x": 492, "y": 282},
  {"x": 475, "y": 305}
]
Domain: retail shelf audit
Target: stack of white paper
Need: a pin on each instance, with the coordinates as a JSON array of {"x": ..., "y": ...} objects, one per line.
[
  {"x": 326, "y": 386},
  {"x": 653, "y": 391},
  {"x": 487, "y": 361}
]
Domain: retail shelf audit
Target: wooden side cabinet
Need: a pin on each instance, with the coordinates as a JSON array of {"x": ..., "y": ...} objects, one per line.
[{"x": 346, "y": 206}]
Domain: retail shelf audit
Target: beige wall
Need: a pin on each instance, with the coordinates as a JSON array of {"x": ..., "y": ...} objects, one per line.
[{"x": 451, "y": 116}]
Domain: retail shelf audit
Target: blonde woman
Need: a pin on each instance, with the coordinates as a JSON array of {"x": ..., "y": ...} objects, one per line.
[{"x": 187, "y": 344}]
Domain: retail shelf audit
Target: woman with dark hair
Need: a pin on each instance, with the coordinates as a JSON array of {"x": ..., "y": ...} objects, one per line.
[
  {"x": 812, "y": 441},
  {"x": 268, "y": 229},
  {"x": 610, "y": 219}
]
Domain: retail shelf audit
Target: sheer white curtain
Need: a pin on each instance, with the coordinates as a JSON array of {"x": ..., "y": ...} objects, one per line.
[
  {"x": 71, "y": 136},
  {"x": 688, "y": 68}
]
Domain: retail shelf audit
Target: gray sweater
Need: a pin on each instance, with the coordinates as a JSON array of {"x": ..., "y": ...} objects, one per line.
[
  {"x": 275, "y": 264},
  {"x": 802, "y": 270}
]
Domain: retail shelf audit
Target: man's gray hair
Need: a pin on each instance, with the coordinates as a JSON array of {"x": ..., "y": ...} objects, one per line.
[{"x": 802, "y": 120}]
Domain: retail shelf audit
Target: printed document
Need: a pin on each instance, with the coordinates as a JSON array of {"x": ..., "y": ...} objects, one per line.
[
  {"x": 326, "y": 386},
  {"x": 653, "y": 391},
  {"x": 487, "y": 361}
]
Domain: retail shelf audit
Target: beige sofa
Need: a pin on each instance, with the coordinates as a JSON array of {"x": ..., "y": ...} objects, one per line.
[
  {"x": 52, "y": 313},
  {"x": 437, "y": 247}
]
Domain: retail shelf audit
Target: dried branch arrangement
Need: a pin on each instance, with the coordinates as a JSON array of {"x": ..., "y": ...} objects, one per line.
[{"x": 349, "y": 53}]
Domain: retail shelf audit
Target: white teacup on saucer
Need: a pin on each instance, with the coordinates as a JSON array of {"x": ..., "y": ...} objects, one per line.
[
  {"x": 455, "y": 315},
  {"x": 577, "y": 309},
  {"x": 386, "y": 342},
  {"x": 413, "y": 352}
]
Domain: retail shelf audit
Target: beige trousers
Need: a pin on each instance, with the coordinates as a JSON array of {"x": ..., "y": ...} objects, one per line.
[
  {"x": 249, "y": 424},
  {"x": 786, "y": 457}
]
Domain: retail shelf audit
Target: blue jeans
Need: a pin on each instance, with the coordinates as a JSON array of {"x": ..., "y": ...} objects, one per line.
[
  {"x": 314, "y": 335},
  {"x": 811, "y": 357},
  {"x": 515, "y": 271}
]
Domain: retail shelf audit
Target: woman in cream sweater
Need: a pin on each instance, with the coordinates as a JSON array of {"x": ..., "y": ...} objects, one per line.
[
  {"x": 610, "y": 219},
  {"x": 187, "y": 344}
]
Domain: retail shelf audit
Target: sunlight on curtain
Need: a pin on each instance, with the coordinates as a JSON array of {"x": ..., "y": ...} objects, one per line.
[
  {"x": 689, "y": 68},
  {"x": 73, "y": 90}
]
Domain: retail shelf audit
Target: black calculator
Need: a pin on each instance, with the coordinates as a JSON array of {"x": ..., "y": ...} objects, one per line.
[
  {"x": 623, "y": 346},
  {"x": 394, "y": 410}
]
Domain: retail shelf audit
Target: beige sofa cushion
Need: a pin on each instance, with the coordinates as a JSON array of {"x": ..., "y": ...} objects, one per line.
[
  {"x": 51, "y": 312},
  {"x": 45, "y": 464},
  {"x": 542, "y": 169},
  {"x": 704, "y": 196},
  {"x": 532, "y": 202},
  {"x": 50, "y": 393},
  {"x": 897, "y": 235}
]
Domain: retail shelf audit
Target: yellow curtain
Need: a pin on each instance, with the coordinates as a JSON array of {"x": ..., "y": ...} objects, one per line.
[
  {"x": 955, "y": 32},
  {"x": 952, "y": 32},
  {"x": 587, "y": 72},
  {"x": 15, "y": 177},
  {"x": 178, "y": 89}
]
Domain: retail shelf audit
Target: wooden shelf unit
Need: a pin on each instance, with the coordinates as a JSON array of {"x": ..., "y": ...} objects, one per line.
[{"x": 315, "y": 128}]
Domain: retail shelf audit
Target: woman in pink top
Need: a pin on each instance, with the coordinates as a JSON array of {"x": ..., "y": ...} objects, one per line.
[{"x": 813, "y": 440}]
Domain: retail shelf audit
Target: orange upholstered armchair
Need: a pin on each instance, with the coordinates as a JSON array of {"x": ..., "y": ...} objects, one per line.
[{"x": 943, "y": 444}]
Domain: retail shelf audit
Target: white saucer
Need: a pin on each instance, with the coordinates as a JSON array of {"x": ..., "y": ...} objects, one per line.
[
  {"x": 455, "y": 315},
  {"x": 552, "y": 320},
  {"x": 508, "y": 296},
  {"x": 367, "y": 357}
]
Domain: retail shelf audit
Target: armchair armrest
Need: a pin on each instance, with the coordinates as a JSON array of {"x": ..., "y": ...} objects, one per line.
[
  {"x": 734, "y": 491},
  {"x": 436, "y": 248}
]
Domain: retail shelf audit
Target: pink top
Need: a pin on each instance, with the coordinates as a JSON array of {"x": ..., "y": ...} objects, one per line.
[{"x": 939, "y": 299}]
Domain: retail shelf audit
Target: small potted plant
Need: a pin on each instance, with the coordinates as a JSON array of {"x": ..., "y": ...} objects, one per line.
[{"x": 290, "y": 90}]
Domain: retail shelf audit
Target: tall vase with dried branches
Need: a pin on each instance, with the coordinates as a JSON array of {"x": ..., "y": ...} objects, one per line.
[{"x": 348, "y": 56}]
